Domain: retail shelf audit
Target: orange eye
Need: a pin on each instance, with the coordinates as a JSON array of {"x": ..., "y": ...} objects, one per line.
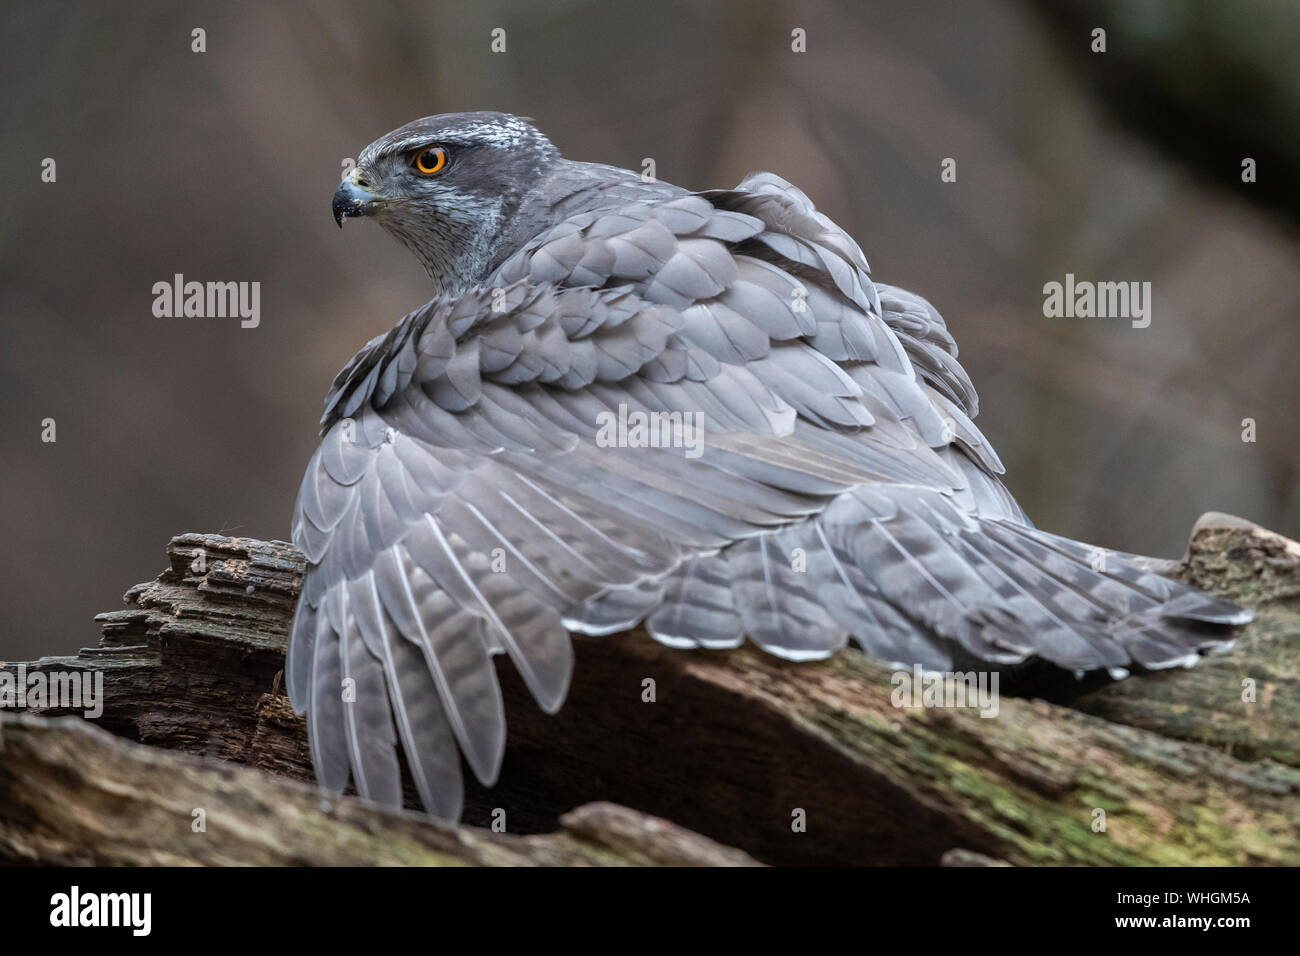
[{"x": 431, "y": 160}]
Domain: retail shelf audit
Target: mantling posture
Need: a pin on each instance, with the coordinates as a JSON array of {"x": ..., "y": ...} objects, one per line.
[{"x": 463, "y": 503}]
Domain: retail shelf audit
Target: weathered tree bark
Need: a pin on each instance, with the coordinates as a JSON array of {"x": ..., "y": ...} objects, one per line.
[
  {"x": 71, "y": 794},
  {"x": 1259, "y": 570},
  {"x": 793, "y": 763}
]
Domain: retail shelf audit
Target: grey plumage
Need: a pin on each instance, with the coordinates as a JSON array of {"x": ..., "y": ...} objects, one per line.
[{"x": 462, "y": 505}]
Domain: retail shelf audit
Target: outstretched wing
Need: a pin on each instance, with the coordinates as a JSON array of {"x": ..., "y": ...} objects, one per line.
[{"x": 476, "y": 491}]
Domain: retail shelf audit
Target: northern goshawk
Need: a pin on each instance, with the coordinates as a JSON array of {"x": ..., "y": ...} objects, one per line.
[{"x": 793, "y": 461}]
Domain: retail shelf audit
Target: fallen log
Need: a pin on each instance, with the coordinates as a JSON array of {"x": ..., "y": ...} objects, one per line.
[
  {"x": 71, "y": 794},
  {"x": 792, "y": 763},
  {"x": 1247, "y": 703}
]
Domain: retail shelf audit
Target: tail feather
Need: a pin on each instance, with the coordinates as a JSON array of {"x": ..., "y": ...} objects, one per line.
[
  {"x": 913, "y": 579},
  {"x": 779, "y": 601},
  {"x": 698, "y": 610},
  {"x": 1177, "y": 600},
  {"x": 614, "y": 610},
  {"x": 1080, "y": 643}
]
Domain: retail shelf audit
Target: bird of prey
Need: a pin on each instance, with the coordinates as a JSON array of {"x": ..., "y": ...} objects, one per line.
[{"x": 469, "y": 498}]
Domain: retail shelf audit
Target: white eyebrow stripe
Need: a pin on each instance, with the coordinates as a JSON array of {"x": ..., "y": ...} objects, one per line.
[
  {"x": 400, "y": 146},
  {"x": 507, "y": 135}
]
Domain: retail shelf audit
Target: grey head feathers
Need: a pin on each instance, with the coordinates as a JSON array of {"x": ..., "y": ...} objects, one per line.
[{"x": 453, "y": 221}]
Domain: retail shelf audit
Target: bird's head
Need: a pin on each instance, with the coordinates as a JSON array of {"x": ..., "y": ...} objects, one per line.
[{"x": 448, "y": 187}]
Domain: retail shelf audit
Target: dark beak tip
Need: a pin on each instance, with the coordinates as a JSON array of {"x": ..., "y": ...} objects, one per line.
[
  {"x": 350, "y": 200},
  {"x": 340, "y": 207}
]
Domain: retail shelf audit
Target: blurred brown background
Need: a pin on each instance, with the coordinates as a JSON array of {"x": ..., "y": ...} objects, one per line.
[{"x": 220, "y": 165}]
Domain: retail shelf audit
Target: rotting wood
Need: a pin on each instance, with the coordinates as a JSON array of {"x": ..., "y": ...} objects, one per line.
[{"x": 741, "y": 746}]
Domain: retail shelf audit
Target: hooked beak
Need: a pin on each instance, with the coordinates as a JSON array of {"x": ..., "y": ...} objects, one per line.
[{"x": 351, "y": 199}]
